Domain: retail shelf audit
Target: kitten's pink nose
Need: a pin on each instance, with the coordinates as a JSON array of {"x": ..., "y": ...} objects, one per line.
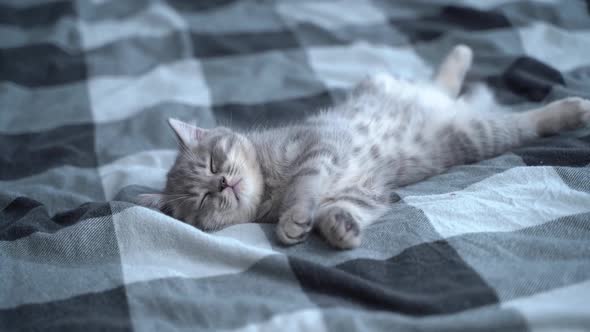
[{"x": 223, "y": 183}]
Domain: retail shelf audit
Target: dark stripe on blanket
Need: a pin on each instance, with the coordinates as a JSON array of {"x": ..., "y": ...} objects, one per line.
[
  {"x": 41, "y": 65},
  {"x": 531, "y": 79},
  {"x": 47, "y": 64},
  {"x": 557, "y": 151},
  {"x": 273, "y": 113},
  {"x": 37, "y": 15},
  {"x": 205, "y": 46},
  {"x": 25, "y": 216},
  {"x": 402, "y": 284},
  {"x": 199, "y": 6},
  {"x": 100, "y": 311},
  {"x": 450, "y": 18},
  {"x": 27, "y": 154}
]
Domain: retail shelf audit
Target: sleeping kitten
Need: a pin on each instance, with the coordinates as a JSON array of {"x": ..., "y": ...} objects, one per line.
[{"x": 335, "y": 171}]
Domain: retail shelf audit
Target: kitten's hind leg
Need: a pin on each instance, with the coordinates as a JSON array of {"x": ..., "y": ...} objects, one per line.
[
  {"x": 340, "y": 228},
  {"x": 500, "y": 132},
  {"x": 453, "y": 69},
  {"x": 341, "y": 219}
]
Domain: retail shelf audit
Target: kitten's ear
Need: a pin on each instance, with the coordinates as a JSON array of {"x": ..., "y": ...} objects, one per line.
[
  {"x": 155, "y": 201},
  {"x": 186, "y": 133}
]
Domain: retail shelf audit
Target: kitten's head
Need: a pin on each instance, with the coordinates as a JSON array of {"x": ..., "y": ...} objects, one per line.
[{"x": 216, "y": 180}]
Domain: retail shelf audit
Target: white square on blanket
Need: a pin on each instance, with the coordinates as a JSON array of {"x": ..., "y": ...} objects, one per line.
[
  {"x": 341, "y": 67},
  {"x": 119, "y": 97},
  {"x": 329, "y": 14},
  {"x": 517, "y": 198},
  {"x": 154, "y": 246}
]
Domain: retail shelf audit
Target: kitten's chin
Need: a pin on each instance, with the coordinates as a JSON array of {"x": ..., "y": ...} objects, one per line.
[
  {"x": 252, "y": 185},
  {"x": 251, "y": 193}
]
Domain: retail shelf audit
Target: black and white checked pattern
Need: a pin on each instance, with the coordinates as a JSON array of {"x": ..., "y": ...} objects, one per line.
[{"x": 86, "y": 86}]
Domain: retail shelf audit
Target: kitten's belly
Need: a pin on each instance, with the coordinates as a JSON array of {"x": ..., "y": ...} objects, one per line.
[{"x": 395, "y": 146}]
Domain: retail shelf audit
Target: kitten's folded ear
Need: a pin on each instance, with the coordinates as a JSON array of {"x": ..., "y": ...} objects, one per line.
[
  {"x": 186, "y": 133},
  {"x": 154, "y": 201}
]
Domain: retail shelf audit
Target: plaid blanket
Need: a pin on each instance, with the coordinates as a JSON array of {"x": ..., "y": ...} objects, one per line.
[{"x": 86, "y": 87}]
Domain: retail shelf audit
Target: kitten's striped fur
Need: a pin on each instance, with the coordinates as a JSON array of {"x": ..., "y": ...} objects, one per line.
[{"x": 335, "y": 171}]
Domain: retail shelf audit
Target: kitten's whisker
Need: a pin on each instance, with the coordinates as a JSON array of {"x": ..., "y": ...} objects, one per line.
[
  {"x": 174, "y": 195},
  {"x": 176, "y": 199},
  {"x": 171, "y": 198}
]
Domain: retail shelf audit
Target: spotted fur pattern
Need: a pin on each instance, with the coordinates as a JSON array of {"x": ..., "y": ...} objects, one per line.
[{"x": 335, "y": 171}]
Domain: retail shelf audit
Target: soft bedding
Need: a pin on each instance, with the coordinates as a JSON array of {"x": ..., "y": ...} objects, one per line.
[{"x": 86, "y": 87}]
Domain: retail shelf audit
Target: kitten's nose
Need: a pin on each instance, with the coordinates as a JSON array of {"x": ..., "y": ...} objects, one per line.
[{"x": 223, "y": 183}]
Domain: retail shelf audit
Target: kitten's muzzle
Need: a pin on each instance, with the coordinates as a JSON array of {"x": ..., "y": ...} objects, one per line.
[{"x": 224, "y": 183}]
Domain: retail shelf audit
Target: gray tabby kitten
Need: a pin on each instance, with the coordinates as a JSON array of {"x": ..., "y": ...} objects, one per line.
[{"x": 335, "y": 171}]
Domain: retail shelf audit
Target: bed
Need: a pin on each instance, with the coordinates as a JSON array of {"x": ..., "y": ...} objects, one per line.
[{"x": 85, "y": 91}]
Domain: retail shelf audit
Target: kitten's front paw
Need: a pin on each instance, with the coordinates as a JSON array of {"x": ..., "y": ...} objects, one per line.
[
  {"x": 294, "y": 225},
  {"x": 339, "y": 228}
]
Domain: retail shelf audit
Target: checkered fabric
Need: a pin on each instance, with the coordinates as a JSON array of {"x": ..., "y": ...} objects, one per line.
[{"x": 86, "y": 87}]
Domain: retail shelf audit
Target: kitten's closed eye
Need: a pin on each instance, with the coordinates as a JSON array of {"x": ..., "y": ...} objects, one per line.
[{"x": 212, "y": 166}]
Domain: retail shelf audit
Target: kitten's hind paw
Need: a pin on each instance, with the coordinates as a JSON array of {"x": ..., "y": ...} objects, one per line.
[
  {"x": 463, "y": 55},
  {"x": 339, "y": 228},
  {"x": 565, "y": 114},
  {"x": 294, "y": 225}
]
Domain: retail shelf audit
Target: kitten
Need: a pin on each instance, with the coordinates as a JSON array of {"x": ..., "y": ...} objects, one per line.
[{"x": 335, "y": 171}]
